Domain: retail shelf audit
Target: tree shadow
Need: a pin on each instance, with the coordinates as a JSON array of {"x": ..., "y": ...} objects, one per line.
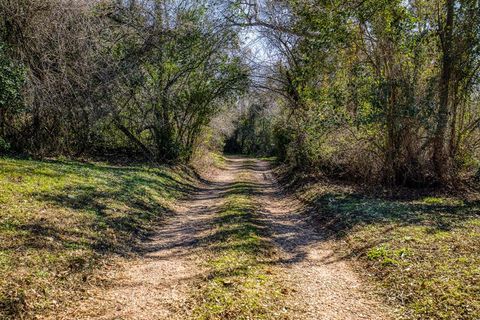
[
  {"x": 108, "y": 215},
  {"x": 337, "y": 214}
]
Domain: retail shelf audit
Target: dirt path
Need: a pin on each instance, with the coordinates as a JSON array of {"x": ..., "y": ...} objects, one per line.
[
  {"x": 159, "y": 284},
  {"x": 323, "y": 286}
]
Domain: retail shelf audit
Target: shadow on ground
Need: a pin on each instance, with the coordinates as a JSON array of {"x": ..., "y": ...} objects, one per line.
[
  {"x": 333, "y": 214},
  {"x": 102, "y": 207}
]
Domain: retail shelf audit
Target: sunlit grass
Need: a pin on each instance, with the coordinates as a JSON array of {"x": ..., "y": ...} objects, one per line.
[
  {"x": 240, "y": 284},
  {"x": 218, "y": 160},
  {"x": 59, "y": 219},
  {"x": 424, "y": 252}
]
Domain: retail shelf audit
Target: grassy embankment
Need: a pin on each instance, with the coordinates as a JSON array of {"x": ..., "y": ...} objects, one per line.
[
  {"x": 424, "y": 252},
  {"x": 60, "y": 220},
  {"x": 240, "y": 284}
]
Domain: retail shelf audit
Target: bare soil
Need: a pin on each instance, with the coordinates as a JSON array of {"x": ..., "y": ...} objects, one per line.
[
  {"x": 322, "y": 285},
  {"x": 161, "y": 282}
]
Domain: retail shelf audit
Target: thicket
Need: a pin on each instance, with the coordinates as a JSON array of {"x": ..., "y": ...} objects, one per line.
[
  {"x": 96, "y": 76},
  {"x": 376, "y": 90},
  {"x": 253, "y": 126}
]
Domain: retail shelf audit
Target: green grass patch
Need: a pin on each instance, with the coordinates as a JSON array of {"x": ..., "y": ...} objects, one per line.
[
  {"x": 269, "y": 159},
  {"x": 240, "y": 284},
  {"x": 423, "y": 252},
  {"x": 218, "y": 160},
  {"x": 59, "y": 220}
]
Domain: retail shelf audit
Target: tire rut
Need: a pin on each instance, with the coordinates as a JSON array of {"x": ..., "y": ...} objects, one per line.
[{"x": 159, "y": 284}]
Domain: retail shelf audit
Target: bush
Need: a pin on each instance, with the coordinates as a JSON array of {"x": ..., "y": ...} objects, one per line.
[{"x": 4, "y": 145}]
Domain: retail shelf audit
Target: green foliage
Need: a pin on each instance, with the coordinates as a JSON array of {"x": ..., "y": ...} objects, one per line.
[
  {"x": 362, "y": 85},
  {"x": 4, "y": 145},
  {"x": 11, "y": 101},
  {"x": 253, "y": 133},
  {"x": 184, "y": 81},
  {"x": 11, "y": 81},
  {"x": 137, "y": 79},
  {"x": 386, "y": 256}
]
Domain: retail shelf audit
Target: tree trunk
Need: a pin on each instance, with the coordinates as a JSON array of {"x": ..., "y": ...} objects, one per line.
[
  {"x": 452, "y": 144},
  {"x": 2, "y": 122},
  {"x": 391, "y": 145},
  {"x": 132, "y": 138},
  {"x": 166, "y": 151},
  {"x": 440, "y": 159}
]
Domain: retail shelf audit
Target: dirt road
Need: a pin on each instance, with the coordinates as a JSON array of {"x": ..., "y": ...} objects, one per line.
[{"x": 161, "y": 283}]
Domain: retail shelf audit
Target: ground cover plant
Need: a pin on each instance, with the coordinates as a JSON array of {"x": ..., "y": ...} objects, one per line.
[
  {"x": 240, "y": 284},
  {"x": 422, "y": 250},
  {"x": 60, "y": 221}
]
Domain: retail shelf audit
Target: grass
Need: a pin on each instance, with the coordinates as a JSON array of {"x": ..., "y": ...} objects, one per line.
[
  {"x": 240, "y": 284},
  {"x": 423, "y": 252},
  {"x": 60, "y": 220},
  {"x": 269, "y": 159},
  {"x": 218, "y": 160}
]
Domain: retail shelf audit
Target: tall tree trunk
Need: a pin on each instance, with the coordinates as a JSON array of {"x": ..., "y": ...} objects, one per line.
[
  {"x": 452, "y": 144},
  {"x": 165, "y": 141},
  {"x": 391, "y": 145},
  {"x": 440, "y": 159}
]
